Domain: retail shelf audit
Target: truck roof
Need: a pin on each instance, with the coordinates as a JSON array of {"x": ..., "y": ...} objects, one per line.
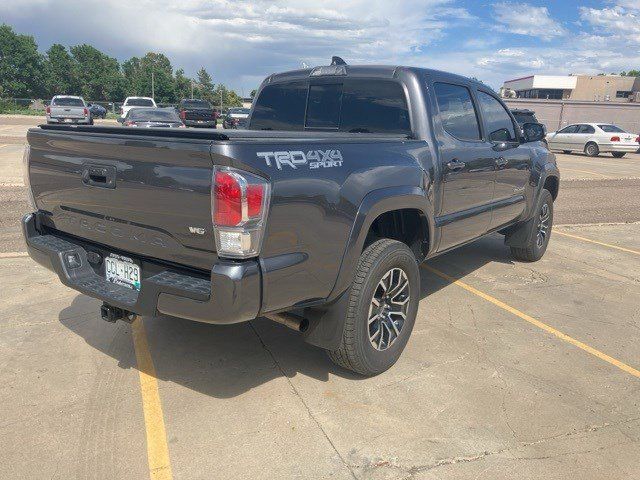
[{"x": 368, "y": 71}]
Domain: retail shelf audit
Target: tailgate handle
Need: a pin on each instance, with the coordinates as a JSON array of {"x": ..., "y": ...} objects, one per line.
[{"x": 99, "y": 176}]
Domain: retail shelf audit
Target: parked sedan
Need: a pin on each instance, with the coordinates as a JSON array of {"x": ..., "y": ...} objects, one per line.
[
  {"x": 236, "y": 118},
  {"x": 152, "y": 118},
  {"x": 97, "y": 111},
  {"x": 593, "y": 139}
]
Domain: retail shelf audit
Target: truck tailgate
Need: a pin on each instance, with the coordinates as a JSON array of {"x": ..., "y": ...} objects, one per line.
[{"x": 147, "y": 196}]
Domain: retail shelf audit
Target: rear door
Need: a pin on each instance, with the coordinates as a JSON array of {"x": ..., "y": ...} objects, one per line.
[
  {"x": 582, "y": 135},
  {"x": 467, "y": 166}
]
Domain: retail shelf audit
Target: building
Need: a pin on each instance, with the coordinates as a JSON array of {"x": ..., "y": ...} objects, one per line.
[{"x": 603, "y": 88}]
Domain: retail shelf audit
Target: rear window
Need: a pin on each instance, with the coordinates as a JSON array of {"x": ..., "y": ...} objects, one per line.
[
  {"x": 196, "y": 104},
  {"x": 280, "y": 107},
  {"x": 153, "y": 115},
  {"x": 239, "y": 111},
  {"x": 363, "y": 106},
  {"x": 611, "y": 129},
  {"x": 67, "y": 102},
  {"x": 139, "y": 102},
  {"x": 457, "y": 112}
]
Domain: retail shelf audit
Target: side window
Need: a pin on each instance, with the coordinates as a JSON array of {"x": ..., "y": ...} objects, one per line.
[
  {"x": 569, "y": 129},
  {"x": 280, "y": 107},
  {"x": 323, "y": 108},
  {"x": 499, "y": 124},
  {"x": 457, "y": 112},
  {"x": 586, "y": 129},
  {"x": 374, "y": 106}
]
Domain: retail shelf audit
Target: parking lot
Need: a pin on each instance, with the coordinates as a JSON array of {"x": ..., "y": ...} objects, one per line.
[{"x": 513, "y": 370}]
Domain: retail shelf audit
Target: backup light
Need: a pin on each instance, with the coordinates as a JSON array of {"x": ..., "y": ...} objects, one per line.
[{"x": 239, "y": 204}]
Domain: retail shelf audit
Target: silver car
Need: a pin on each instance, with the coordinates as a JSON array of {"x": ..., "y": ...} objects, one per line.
[
  {"x": 593, "y": 139},
  {"x": 68, "y": 109}
]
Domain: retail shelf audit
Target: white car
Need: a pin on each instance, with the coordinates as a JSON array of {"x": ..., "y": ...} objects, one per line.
[
  {"x": 133, "y": 102},
  {"x": 593, "y": 139}
]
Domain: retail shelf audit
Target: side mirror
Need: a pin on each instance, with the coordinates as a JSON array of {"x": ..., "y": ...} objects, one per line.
[{"x": 533, "y": 132}]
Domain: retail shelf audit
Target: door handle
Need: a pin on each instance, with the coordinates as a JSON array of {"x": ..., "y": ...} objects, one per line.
[
  {"x": 455, "y": 165},
  {"x": 501, "y": 161}
]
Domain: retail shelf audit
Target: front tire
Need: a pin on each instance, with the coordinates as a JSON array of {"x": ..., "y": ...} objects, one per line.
[
  {"x": 618, "y": 154},
  {"x": 539, "y": 231},
  {"x": 381, "y": 309},
  {"x": 591, "y": 149}
]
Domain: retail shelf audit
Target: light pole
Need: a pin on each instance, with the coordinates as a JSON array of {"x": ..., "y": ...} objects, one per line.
[{"x": 153, "y": 92}]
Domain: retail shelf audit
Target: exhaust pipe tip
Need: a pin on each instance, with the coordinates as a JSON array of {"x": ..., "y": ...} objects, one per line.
[{"x": 289, "y": 320}]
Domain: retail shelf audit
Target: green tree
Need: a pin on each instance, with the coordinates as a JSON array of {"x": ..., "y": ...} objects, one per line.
[
  {"x": 631, "y": 73},
  {"x": 59, "y": 72},
  {"x": 183, "y": 85},
  {"x": 20, "y": 65},
  {"x": 152, "y": 70},
  {"x": 225, "y": 97},
  {"x": 98, "y": 74},
  {"x": 205, "y": 86}
]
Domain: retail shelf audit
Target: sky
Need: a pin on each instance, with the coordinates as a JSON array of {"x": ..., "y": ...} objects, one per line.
[{"x": 241, "y": 42}]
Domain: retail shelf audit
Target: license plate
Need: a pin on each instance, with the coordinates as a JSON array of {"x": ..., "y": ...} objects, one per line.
[
  {"x": 122, "y": 271},
  {"x": 67, "y": 120}
]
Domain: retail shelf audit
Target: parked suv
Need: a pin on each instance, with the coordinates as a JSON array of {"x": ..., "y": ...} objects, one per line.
[{"x": 316, "y": 217}]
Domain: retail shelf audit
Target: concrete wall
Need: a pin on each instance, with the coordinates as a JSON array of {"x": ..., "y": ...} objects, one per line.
[{"x": 556, "y": 114}]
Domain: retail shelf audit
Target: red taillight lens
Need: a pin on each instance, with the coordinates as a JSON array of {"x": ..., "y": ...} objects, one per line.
[
  {"x": 86, "y": 112},
  {"x": 239, "y": 202},
  {"x": 183, "y": 115},
  {"x": 637, "y": 139},
  {"x": 228, "y": 200},
  {"x": 48, "y": 110},
  {"x": 615, "y": 139}
]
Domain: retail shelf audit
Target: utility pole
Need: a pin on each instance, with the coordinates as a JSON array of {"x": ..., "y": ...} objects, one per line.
[
  {"x": 153, "y": 91},
  {"x": 192, "y": 89},
  {"x": 221, "y": 106}
]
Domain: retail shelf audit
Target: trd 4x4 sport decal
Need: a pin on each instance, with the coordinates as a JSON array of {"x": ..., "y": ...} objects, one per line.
[{"x": 313, "y": 158}]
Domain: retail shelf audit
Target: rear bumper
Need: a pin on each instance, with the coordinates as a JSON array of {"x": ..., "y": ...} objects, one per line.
[
  {"x": 83, "y": 120},
  {"x": 202, "y": 124},
  {"x": 230, "y": 295}
]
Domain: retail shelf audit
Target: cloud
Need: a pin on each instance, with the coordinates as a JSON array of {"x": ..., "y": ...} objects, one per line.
[
  {"x": 620, "y": 22},
  {"x": 525, "y": 19},
  {"x": 242, "y": 41}
]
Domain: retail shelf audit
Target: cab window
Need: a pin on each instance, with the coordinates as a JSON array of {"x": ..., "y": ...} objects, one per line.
[
  {"x": 498, "y": 122},
  {"x": 457, "y": 112}
]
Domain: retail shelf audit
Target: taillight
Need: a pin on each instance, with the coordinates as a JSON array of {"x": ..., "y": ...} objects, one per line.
[
  {"x": 183, "y": 115},
  {"x": 615, "y": 139},
  {"x": 637, "y": 139},
  {"x": 86, "y": 112},
  {"x": 129, "y": 124},
  {"x": 48, "y": 110},
  {"x": 239, "y": 204}
]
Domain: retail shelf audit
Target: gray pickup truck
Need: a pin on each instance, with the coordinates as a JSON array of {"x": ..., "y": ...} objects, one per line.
[
  {"x": 68, "y": 109},
  {"x": 316, "y": 217}
]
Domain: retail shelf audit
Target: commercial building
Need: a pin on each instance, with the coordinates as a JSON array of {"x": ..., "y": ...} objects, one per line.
[{"x": 595, "y": 88}]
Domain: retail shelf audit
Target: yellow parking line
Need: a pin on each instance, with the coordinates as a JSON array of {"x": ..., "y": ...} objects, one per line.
[
  {"x": 585, "y": 171},
  {"x": 628, "y": 250},
  {"x": 157, "y": 448},
  {"x": 13, "y": 254},
  {"x": 562, "y": 336}
]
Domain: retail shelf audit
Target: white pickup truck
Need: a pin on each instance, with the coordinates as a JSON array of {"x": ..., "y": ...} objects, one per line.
[{"x": 68, "y": 109}]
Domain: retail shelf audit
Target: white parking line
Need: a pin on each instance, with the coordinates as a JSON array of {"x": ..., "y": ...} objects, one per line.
[{"x": 13, "y": 254}]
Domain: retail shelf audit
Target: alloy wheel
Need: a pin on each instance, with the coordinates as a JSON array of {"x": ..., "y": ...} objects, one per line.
[
  {"x": 388, "y": 309},
  {"x": 543, "y": 225}
]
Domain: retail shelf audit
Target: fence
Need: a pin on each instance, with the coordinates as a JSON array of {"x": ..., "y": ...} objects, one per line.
[{"x": 556, "y": 114}]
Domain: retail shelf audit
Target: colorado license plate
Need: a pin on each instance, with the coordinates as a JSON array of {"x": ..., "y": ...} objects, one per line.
[{"x": 122, "y": 271}]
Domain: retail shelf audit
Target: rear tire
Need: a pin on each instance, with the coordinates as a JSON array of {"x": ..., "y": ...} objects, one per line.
[
  {"x": 618, "y": 154},
  {"x": 539, "y": 231},
  {"x": 381, "y": 309},
  {"x": 591, "y": 149}
]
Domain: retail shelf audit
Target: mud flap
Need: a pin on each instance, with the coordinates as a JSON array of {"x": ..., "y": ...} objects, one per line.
[
  {"x": 326, "y": 323},
  {"x": 519, "y": 236}
]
